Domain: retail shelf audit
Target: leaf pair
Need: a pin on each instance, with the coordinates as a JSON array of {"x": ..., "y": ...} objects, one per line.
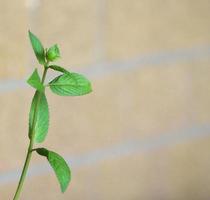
[{"x": 67, "y": 84}]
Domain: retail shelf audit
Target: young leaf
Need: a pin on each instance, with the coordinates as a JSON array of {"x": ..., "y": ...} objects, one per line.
[
  {"x": 35, "y": 81},
  {"x": 53, "y": 53},
  {"x": 42, "y": 119},
  {"x": 59, "y": 166},
  {"x": 59, "y": 69},
  {"x": 72, "y": 84},
  {"x": 38, "y": 48}
]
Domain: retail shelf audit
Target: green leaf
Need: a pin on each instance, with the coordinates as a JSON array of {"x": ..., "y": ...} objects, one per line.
[
  {"x": 42, "y": 119},
  {"x": 59, "y": 166},
  {"x": 35, "y": 81},
  {"x": 53, "y": 53},
  {"x": 38, "y": 48},
  {"x": 59, "y": 69},
  {"x": 72, "y": 84}
]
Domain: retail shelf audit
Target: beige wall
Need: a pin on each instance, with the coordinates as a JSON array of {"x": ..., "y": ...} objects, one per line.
[{"x": 144, "y": 132}]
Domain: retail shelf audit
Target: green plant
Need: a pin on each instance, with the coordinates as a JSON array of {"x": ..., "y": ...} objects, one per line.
[{"x": 66, "y": 84}]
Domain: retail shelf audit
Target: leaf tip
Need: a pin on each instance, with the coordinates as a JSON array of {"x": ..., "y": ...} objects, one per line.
[{"x": 30, "y": 34}]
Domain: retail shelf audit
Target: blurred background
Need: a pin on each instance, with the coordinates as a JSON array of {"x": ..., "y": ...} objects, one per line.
[{"x": 144, "y": 131}]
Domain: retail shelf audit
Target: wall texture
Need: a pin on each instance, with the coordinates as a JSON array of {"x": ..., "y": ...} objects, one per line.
[{"x": 144, "y": 132}]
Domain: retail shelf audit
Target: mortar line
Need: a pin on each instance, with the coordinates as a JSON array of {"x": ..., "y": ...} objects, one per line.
[
  {"x": 122, "y": 150},
  {"x": 143, "y": 61}
]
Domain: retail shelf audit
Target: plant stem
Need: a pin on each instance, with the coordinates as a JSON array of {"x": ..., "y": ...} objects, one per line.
[{"x": 31, "y": 144}]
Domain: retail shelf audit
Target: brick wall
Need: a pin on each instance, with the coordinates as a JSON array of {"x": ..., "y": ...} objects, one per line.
[{"x": 144, "y": 131}]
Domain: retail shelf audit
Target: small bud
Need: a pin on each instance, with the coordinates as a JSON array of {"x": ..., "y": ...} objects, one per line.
[{"x": 53, "y": 53}]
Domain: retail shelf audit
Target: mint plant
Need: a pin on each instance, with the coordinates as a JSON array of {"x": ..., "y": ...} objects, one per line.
[{"x": 66, "y": 84}]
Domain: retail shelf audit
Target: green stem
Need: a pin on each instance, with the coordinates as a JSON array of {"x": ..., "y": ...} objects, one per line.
[{"x": 31, "y": 144}]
